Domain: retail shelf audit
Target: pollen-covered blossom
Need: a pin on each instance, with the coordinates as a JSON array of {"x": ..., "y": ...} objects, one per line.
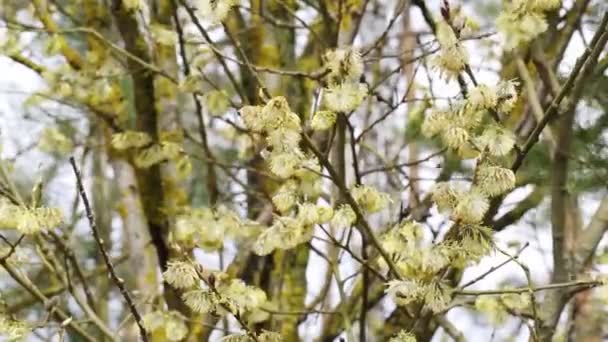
[
  {"x": 492, "y": 309},
  {"x": 471, "y": 207},
  {"x": 422, "y": 262},
  {"x": 243, "y": 297},
  {"x": 410, "y": 231},
  {"x": 344, "y": 65},
  {"x": 214, "y": 10},
  {"x": 169, "y": 324},
  {"x": 466, "y": 117},
  {"x": 516, "y": 301},
  {"x": 283, "y": 129},
  {"x": 344, "y": 217},
  {"x": 264, "y": 336},
  {"x": 310, "y": 213},
  {"x": 482, "y": 97},
  {"x": 392, "y": 243},
  {"x": 546, "y": 5},
  {"x": 497, "y": 141},
  {"x": 13, "y": 330},
  {"x": 507, "y": 96},
  {"x": 445, "y": 196},
  {"x": 153, "y": 320},
  {"x": 202, "y": 300},
  {"x": 162, "y": 35},
  {"x": 34, "y": 220},
  {"x": 245, "y": 145},
  {"x": 284, "y": 164},
  {"x": 435, "y": 123},
  {"x": 495, "y": 180},
  {"x": 266, "y": 242},
  {"x": 322, "y": 120},
  {"x": 325, "y": 213},
  {"x": 370, "y": 199},
  {"x": 291, "y": 121},
  {"x": 520, "y": 24},
  {"x": 157, "y": 153},
  {"x": 435, "y": 295},
  {"x": 455, "y": 137},
  {"x": 228, "y": 220},
  {"x": 54, "y": 141},
  {"x": 284, "y": 139},
  {"x": 277, "y": 113},
  {"x": 445, "y": 35},
  {"x": 286, "y": 196},
  {"x": 451, "y": 61},
  {"x": 307, "y": 213},
  {"x": 133, "y": 5},
  {"x": 252, "y": 117},
  {"x": 452, "y": 58},
  {"x": 270, "y": 336},
  {"x": 181, "y": 274},
  {"x": 345, "y": 97},
  {"x": 198, "y": 227},
  {"x": 311, "y": 187},
  {"x": 400, "y": 239},
  {"x": 130, "y": 139},
  {"x": 404, "y": 292},
  {"x": 28, "y": 221},
  {"x": 285, "y": 233},
  {"x": 471, "y": 242},
  {"x": 175, "y": 328},
  {"x": 309, "y": 169},
  {"x": 455, "y": 127},
  {"x": 237, "y": 338},
  {"x": 403, "y": 336},
  {"x": 292, "y": 232}
]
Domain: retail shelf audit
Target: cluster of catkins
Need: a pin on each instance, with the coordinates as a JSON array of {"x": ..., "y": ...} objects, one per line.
[
  {"x": 296, "y": 198},
  {"x": 523, "y": 20},
  {"x": 472, "y": 129},
  {"x": 203, "y": 292},
  {"x": 460, "y": 128},
  {"x": 28, "y": 219}
]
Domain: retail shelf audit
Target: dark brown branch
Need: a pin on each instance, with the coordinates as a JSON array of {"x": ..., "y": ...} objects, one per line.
[
  {"x": 211, "y": 176},
  {"x": 553, "y": 108},
  {"x": 362, "y": 222},
  {"x": 219, "y": 57},
  {"x": 106, "y": 258}
]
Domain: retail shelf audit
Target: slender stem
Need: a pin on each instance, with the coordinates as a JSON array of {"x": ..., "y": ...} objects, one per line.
[
  {"x": 577, "y": 283},
  {"x": 351, "y": 201},
  {"x": 106, "y": 258}
]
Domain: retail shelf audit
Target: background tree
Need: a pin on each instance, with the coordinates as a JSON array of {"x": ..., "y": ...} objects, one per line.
[{"x": 303, "y": 170}]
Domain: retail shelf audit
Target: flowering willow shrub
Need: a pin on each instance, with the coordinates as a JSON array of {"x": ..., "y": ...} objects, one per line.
[
  {"x": 461, "y": 129},
  {"x": 302, "y": 170}
]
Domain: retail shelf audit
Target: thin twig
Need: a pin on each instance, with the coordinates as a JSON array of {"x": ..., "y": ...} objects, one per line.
[
  {"x": 533, "y": 301},
  {"x": 553, "y": 108},
  {"x": 13, "y": 247},
  {"x": 494, "y": 268},
  {"x": 577, "y": 283},
  {"x": 351, "y": 201},
  {"x": 117, "y": 280}
]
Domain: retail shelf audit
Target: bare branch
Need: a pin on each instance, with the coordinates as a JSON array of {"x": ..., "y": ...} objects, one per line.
[{"x": 106, "y": 258}]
